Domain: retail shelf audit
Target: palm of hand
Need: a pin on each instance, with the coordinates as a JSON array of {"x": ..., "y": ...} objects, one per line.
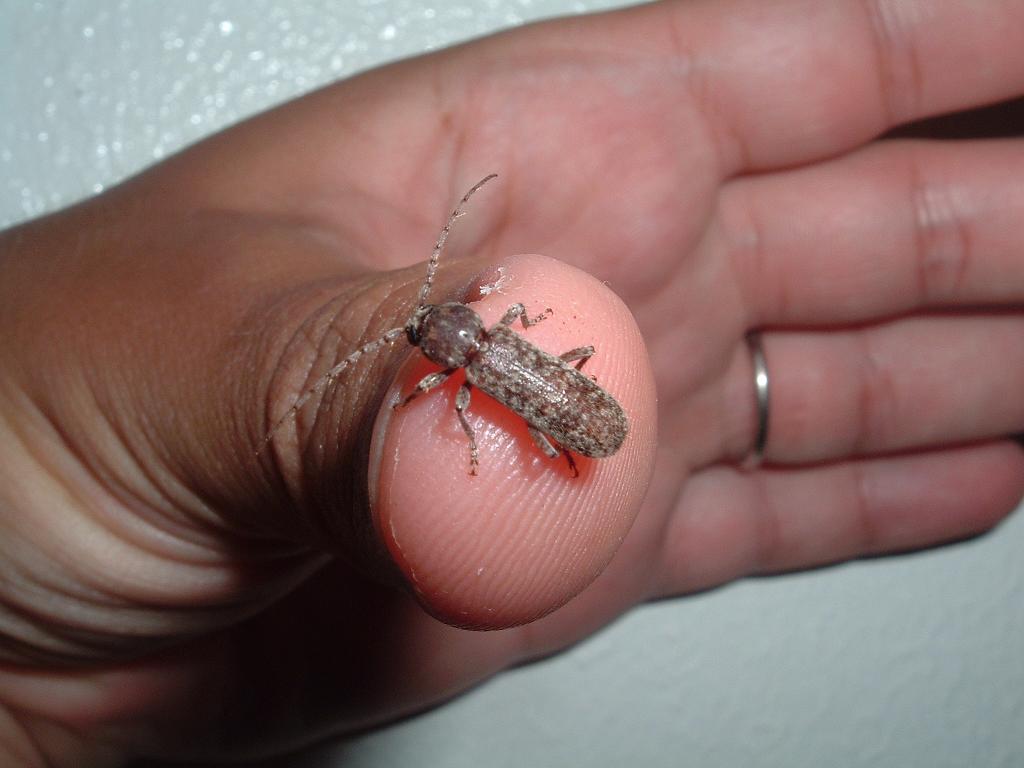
[
  {"x": 613, "y": 208},
  {"x": 594, "y": 180},
  {"x": 634, "y": 168}
]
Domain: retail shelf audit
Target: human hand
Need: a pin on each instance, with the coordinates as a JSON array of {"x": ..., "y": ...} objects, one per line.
[{"x": 712, "y": 162}]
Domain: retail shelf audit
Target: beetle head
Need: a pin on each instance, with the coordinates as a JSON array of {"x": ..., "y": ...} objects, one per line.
[{"x": 448, "y": 334}]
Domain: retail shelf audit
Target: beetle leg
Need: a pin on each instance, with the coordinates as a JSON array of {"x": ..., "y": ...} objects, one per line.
[
  {"x": 461, "y": 404},
  {"x": 528, "y": 321},
  {"x": 544, "y": 443},
  {"x": 580, "y": 353},
  {"x": 518, "y": 310},
  {"x": 427, "y": 383},
  {"x": 572, "y": 463}
]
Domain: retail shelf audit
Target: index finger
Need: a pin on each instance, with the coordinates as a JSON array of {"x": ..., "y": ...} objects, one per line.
[{"x": 797, "y": 80}]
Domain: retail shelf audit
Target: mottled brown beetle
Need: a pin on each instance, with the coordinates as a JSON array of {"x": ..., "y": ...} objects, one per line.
[{"x": 557, "y": 401}]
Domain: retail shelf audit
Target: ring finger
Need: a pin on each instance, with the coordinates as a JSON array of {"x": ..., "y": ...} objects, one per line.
[{"x": 923, "y": 381}]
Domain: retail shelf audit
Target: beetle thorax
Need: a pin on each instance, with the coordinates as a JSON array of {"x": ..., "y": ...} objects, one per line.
[{"x": 447, "y": 334}]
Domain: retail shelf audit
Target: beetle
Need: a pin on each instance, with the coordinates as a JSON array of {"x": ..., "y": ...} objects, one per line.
[{"x": 561, "y": 406}]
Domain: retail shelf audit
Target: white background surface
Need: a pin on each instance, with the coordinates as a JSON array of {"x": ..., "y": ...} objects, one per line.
[{"x": 912, "y": 661}]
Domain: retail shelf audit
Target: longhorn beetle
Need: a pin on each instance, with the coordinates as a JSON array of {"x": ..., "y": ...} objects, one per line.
[{"x": 559, "y": 404}]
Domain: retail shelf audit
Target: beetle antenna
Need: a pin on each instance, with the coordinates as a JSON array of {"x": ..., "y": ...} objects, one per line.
[
  {"x": 389, "y": 337},
  {"x": 436, "y": 255}
]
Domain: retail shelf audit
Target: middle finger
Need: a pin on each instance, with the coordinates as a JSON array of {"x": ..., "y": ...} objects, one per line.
[{"x": 898, "y": 227}]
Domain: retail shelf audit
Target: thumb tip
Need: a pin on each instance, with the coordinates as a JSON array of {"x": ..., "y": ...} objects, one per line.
[{"x": 524, "y": 535}]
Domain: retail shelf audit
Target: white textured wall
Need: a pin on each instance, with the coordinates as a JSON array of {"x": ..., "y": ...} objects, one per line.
[{"x": 914, "y": 661}]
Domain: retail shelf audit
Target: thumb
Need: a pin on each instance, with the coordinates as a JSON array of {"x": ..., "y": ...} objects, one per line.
[
  {"x": 392, "y": 489},
  {"x": 145, "y": 362},
  {"x": 524, "y": 534}
]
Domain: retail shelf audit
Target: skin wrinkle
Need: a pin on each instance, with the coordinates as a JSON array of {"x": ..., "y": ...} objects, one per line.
[
  {"x": 487, "y": 94},
  {"x": 510, "y": 532},
  {"x": 766, "y": 528},
  {"x": 189, "y": 531},
  {"x": 83, "y": 455},
  {"x": 56, "y": 483},
  {"x": 70, "y": 616},
  {"x": 384, "y": 220},
  {"x": 312, "y": 226},
  {"x": 867, "y": 539},
  {"x": 875, "y": 397},
  {"x": 456, "y": 144},
  {"x": 554, "y": 534},
  {"x": 942, "y": 239},
  {"x": 27, "y": 638},
  {"x": 336, "y": 343},
  {"x": 50, "y": 639},
  {"x": 50, "y": 741},
  {"x": 321, "y": 347},
  {"x": 40, "y": 585},
  {"x": 900, "y": 85},
  {"x": 481, "y": 235},
  {"x": 17, "y": 739},
  {"x": 53, "y": 637},
  {"x": 111, "y": 589},
  {"x": 305, "y": 335},
  {"x": 747, "y": 253},
  {"x": 747, "y": 550},
  {"x": 732, "y": 151},
  {"x": 50, "y": 584},
  {"x": 170, "y": 532},
  {"x": 331, "y": 350},
  {"x": 85, "y": 634},
  {"x": 499, "y": 592}
]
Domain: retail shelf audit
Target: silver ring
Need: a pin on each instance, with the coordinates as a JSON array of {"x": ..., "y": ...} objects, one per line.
[{"x": 761, "y": 392}]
